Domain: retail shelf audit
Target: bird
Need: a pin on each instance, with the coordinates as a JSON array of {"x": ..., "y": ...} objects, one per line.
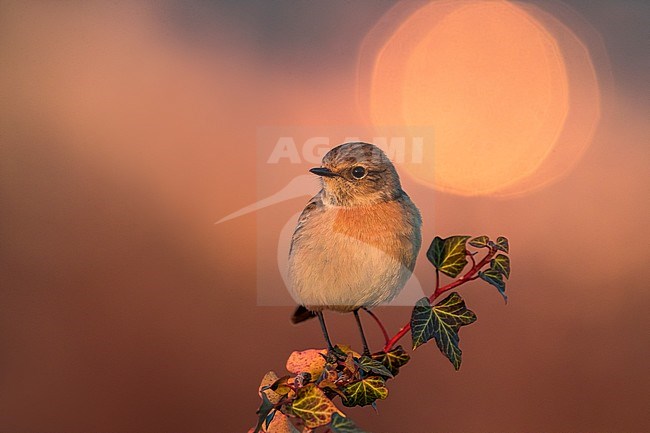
[{"x": 356, "y": 242}]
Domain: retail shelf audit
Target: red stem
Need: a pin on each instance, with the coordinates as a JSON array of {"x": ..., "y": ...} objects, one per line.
[
  {"x": 381, "y": 325},
  {"x": 469, "y": 276},
  {"x": 471, "y": 257}
]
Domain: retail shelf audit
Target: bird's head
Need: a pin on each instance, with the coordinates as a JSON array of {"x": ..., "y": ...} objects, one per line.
[{"x": 357, "y": 174}]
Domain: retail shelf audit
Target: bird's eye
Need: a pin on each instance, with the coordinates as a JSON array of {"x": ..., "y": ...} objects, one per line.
[{"x": 358, "y": 172}]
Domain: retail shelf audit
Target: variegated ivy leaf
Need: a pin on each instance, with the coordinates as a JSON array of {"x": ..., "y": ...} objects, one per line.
[
  {"x": 393, "y": 360},
  {"x": 341, "y": 424},
  {"x": 365, "y": 391},
  {"x": 480, "y": 241},
  {"x": 496, "y": 279},
  {"x": 370, "y": 365},
  {"x": 442, "y": 323},
  {"x": 501, "y": 264},
  {"x": 448, "y": 255},
  {"x": 502, "y": 244},
  {"x": 313, "y": 406}
]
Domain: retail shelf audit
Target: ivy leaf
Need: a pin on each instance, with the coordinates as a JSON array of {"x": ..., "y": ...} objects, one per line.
[
  {"x": 448, "y": 255},
  {"x": 450, "y": 314},
  {"x": 480, "y": 241},
  {"x": 365, "y": 391},
  {"x": 313, "y": 406},
  {"x": 281, "y": 424},
  {"x": 370, "y": 365},
  {"x": 310, "y": 361},
  {"x": 349, "y": 363},
  {"x": 442, "y": 323},
  {"x": 501, "y": 264},
  {"x": 502, "y": 244},
  {"x": 269, "y": 419},
  {"x": 393, "y": 360},
  {"x": 263, "y": 412},
  {"x": 341, "y": 424},
  {"x": 422, "y": 322},
  {"x": 329, "y": 386},
  {"x": 496, "y": 279},
  {"x": 266, "y": 387},
  {"x": 345, "y": 350}
]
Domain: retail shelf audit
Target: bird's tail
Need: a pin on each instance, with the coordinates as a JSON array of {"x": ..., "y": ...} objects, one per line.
[{"x": 301, "y": 314}]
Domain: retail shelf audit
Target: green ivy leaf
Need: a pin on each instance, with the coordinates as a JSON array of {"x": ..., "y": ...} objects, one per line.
[
  {"x": 436, "y": 251},
  {"x": 263, "y": 412},
  {"x": 502, "y": 244},
  {"x": 365, "y": 391},
  {"x": 341, "y": 424},
  {"x": 369, "y": 365},
  {"x": 450, "y": 314},
  {"x": 480, "y": 241},
  {"x": 496, "y": 279},
  {"x": 422, "y": 322},
  {"x": 501, "y": 264},
  {"x": 313, "y": 406},
  {"x": 448, "y": 255},
  {"x": 442, "y": 323},
  {"x": 393, "y": 360}
]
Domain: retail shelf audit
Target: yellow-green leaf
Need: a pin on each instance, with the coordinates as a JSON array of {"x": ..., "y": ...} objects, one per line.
[
  {"x": 422, "y": 324},
  {"x": 496, "y": 279},
  {"x": 365, "y": 391},
  {"x": 480, "y": 241},
  {"x": 370, "y": 365},
  {"x": 347, "y": 350},
  {"x": 502, "y": 244},
  {"x": 393, "y": 360},
  {"x": 445, "y": 320},
  {"x": 313, "y": 406},
  {"x": 501, "y": 264},
  {"x": 341, "y": 424},
  {"x": 448, "y": 255}
]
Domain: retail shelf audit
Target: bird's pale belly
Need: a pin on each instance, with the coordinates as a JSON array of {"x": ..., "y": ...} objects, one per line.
[{"x": 343, "y": 270}]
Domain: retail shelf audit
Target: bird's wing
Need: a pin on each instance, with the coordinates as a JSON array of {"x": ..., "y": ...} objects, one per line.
[{"x": 314, "y": 206}]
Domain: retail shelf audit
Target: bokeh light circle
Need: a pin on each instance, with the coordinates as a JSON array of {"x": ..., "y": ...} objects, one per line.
[{"x": 508, "y": 92}]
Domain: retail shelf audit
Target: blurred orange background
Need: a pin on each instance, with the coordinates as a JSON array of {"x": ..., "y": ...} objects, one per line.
[{"x": 127, "y": 129}]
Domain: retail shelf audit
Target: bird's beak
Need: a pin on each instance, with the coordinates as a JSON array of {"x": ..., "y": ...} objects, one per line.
[{"x": 322, "y": 171}]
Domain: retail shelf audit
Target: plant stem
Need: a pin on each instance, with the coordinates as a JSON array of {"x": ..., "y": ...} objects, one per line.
[
  {"x": 381, "y": 325},
  {"x": 469, "y": 276}
]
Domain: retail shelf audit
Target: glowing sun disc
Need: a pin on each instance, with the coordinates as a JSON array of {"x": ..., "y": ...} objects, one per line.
[{"x": 491, "y": 83}]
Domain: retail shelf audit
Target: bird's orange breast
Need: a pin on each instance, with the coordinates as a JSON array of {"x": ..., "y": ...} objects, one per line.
[{"x": 384, "y": 226}]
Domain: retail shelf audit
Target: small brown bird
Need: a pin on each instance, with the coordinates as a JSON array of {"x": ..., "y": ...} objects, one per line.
[{"x": 357, "y": 240}]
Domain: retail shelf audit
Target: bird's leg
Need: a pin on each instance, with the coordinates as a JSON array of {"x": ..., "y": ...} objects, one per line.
[
  {"x": 321, "y": 319},
  {"x": 363, "y": 337}
]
